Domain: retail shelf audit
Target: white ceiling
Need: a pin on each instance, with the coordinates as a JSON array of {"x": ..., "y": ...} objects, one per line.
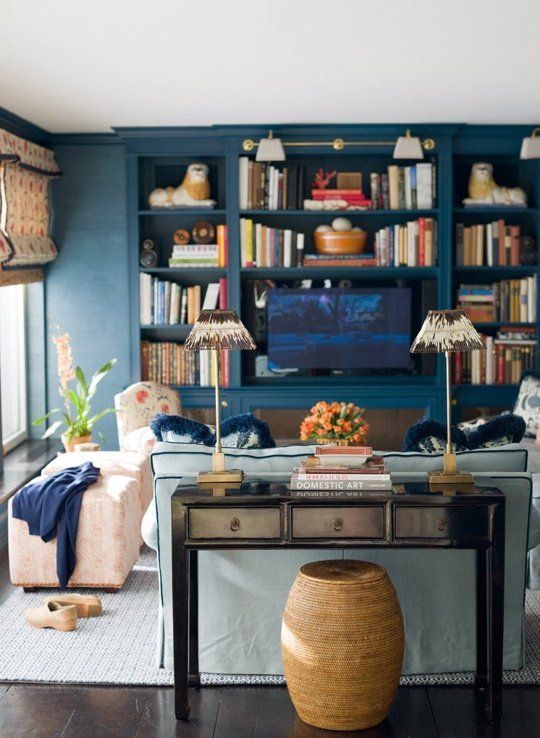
[{"x": 69, "y": 65}]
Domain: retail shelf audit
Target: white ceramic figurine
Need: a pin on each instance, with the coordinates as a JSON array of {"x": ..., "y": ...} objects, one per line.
[
  {"x": 483, "y": 190},
  {"x": 194, "y": 192}
]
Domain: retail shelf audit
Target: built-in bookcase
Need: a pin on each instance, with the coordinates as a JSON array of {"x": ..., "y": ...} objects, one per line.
[{"x": 158, "y": 158}]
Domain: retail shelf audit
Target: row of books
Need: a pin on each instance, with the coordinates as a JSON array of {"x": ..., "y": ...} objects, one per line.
[
  {"x": 265, "y": 187},
  {"x": 405, "y": 188},
  {"x": 167, "y": 363},
  {"x": 169, "y": 303},
  {"x": 407, "y": 244},
  {"x": 507, "y": 356},
  {"x": 263, "y": 246},
  {"x": 512, "y": 300},
  {"x": 341, "y": 469},
  {"x": 488, "y": 244}
]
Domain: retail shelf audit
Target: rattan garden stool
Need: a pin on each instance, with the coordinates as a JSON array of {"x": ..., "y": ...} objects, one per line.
[{"x": 342, "y": 644}]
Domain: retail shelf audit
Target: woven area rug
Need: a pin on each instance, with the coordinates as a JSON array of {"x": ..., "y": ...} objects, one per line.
[{"x": 119, "y": 646}]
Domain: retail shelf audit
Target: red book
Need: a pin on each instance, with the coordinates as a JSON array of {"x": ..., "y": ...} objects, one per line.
[
  {"x": 501, "y": 261},
  {"x": 335, "y": 194},
  {"x": 501, "y": 366},
  {"x": 515, "y": 243},
  {"x": 421, "y": 242},
  {"x": 458, "y": 367},
  {"x": 223, "y": 293}
]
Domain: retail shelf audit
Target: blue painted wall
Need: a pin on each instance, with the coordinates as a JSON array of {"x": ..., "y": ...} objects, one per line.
[{"x": 87, "y": 286}]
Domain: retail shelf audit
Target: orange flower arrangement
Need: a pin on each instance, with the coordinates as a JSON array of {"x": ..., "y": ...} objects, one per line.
[{"x": 336, "y": 421}]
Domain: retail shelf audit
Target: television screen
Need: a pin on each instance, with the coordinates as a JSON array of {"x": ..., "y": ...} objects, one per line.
[{"x": 363, "y": 328}]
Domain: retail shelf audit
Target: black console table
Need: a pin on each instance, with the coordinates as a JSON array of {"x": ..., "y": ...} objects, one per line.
[{"x": 265, "y": 514}]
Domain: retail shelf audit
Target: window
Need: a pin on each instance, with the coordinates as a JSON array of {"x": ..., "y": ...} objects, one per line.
[{"x": 13, "y": 365}]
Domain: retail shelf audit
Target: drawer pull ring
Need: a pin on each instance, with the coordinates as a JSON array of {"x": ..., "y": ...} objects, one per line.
[
  {"x": 338, "y": 525},
  {"x": 442, "y": 524},
  {"x": 234, "y": 525}
]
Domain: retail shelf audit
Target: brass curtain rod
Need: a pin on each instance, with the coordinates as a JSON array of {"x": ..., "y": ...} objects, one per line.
[{"x": 338, "y": 144}]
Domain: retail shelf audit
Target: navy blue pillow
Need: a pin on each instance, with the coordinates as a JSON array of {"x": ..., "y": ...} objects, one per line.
[
  {"x": 429, "y": 436},
  {"x": 240, "y": 431}
]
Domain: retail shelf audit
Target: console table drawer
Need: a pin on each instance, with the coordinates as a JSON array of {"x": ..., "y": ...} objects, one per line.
[
  {"x": 240, "y": 522},
  {"x": 338, "y": 522},
  {"x": 441, "y": 522}
]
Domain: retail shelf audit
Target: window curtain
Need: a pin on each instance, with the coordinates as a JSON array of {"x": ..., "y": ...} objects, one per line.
[{"x": 25, "y": 172}]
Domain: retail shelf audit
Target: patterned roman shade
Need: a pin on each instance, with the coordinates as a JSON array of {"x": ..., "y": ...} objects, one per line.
[{"x": 25, "y": 172}]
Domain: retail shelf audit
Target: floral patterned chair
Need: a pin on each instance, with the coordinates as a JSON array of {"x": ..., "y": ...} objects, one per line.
[{"x": 136, "y": 406}]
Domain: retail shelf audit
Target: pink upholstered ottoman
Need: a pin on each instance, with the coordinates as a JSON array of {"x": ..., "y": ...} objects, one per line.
[
  {"x": 127, "y": 463},
  {"x": 107, "y": 540}
]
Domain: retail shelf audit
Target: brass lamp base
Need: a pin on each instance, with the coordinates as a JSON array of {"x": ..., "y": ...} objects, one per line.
[
  {"x": 226, "y": 476},
  {"x": 220, "y": 475},
  {"x": 439, "y": 477},
  {"x": 450, "y": 474}
]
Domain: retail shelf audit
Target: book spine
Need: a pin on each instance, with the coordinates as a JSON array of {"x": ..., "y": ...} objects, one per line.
[{"x": 298, "y": 484}]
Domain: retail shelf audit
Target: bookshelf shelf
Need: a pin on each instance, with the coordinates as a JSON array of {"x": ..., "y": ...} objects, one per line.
[
  {"x": 498, "y": 324},
  {"x": 156, "y": 157},
  {"x": 336, "y": 272},
  {"x": 495, "y": 211},
  {"x": 185, "y": 273},
  {"x": 179, "y": 212},
  {"x": 338, "y": 213}
]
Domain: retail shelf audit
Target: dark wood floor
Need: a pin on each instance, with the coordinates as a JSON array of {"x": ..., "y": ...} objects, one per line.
[
  {"x": 49, "y": 710},
  {"x": 45, "y": 711}
]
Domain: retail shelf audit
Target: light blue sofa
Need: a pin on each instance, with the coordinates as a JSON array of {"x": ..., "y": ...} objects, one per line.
[{"x": 242, "y": 594}]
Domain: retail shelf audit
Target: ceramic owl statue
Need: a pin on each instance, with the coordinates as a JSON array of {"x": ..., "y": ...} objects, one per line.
[
  {"x": 194, "y": 192},
  {"x": 483, "y": 190}
]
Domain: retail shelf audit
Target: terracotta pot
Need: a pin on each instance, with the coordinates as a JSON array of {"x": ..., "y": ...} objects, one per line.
[
  {"x": 334, "y": 441},
  {"x": 340, "y": 242},
  {"x": 69, "y": 445}
]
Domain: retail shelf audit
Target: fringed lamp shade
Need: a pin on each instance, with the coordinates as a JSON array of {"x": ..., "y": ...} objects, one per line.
[
  {"x": 447, "y": 330},
  {"x": 219, "y": 329}
]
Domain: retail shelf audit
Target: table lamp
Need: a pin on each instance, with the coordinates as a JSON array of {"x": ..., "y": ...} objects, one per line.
[
  {"x": 448, "y": 331},
  {"x": 216, "y": 330}
]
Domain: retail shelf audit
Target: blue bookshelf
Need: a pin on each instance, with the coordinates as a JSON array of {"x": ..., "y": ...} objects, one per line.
[{"x": 157, "y": 157}]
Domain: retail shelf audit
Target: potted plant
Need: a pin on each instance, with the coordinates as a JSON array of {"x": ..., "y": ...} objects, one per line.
[
  {"x": 341, "y": 423},
  {"x": 77, "y": 394}
]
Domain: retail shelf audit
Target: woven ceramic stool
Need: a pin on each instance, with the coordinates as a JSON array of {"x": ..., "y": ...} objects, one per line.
[{"x": 342, "y": 644}]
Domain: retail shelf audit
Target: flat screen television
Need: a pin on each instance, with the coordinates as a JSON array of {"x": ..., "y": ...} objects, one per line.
[{"x": 357, "y": 328}]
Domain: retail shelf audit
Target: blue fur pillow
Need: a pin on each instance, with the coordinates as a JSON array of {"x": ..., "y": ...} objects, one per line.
[
  {"x": 429, "y": 436},
  {"x": 240, "y": 431}
]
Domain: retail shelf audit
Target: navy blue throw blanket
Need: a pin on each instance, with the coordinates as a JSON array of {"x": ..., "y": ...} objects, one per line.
[{"x": 51, "y": 508}]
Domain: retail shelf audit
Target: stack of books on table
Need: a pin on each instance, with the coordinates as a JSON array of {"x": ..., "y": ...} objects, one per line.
[{"x": 346, "y": 469}]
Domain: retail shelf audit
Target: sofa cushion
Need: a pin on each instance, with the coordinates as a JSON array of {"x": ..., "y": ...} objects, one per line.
[
  {"x": 510, "y": 458},
  {"x": 429, "y": 436},
  {"x": 528, "y": 402},
  {"x": 240, "y": 431},
  {"x": 188, "y": 458},
  {"x": 140, "y": 441}
]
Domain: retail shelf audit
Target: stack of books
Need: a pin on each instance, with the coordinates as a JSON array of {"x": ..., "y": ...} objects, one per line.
[
  {"x": 354, "y": 198},
  {"x": 340, "y": 260},
  {"x": 512, "y": 300},
  {"x": 346, "y": 469},
  {"x": 404, "y": 188},
  {"x": 407, "y": 244},
  {"x": 168, "y": 303},
  {"x": 507, "y": 356},
  {"x": 263, "y": 246},
  {"x": 265, "y": 187},
  {"x": 194, "y": 255}
]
